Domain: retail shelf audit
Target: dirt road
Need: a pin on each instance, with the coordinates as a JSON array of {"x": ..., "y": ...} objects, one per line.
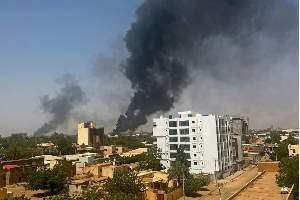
[{"x": 228, "y": 189}]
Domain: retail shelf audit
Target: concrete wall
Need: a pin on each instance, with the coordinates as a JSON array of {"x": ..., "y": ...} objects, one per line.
[
  {"x": 268, "y": 166},
  {"x": 109, "y": 170},
  {"x": 3, "y": 193},
  {"x": 83, "y": 136},
  {"x": 86, "y": 159},
  {"x": 75, "y": 188},
  {"x": 237, "y": 125},
  {"x": 174, "y": 195}
]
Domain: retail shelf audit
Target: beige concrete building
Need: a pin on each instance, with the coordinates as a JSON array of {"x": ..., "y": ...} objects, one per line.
[
  {"x": 89, "y": 135},
  {"x": 293, "y": 150}
]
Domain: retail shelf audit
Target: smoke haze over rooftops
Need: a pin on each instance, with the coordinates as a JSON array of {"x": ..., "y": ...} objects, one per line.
[{"x": 174, "y": 42}]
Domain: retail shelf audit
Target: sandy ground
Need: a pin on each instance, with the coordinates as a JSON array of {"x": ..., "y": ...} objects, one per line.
[
  {"x": 263, "y": 188},
  {"x": 229, "y": 186},
  {"x": 20, "y": 190}
]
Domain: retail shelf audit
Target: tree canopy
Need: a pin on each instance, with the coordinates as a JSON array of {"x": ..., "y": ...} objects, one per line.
[
  {"x": 288, "y": 174},
  {"x": 151, "y": 160},
  {"x": 49, "y": 179},
  {"x": 124, "y": 182},
  {"x": 180, "y": 168},
  {"x": 282, "y": 150}
]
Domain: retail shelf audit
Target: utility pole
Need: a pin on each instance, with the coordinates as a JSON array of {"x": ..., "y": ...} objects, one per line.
[
  {"x": 216, "y": 170},
  {"x": 183, "y": 185}
]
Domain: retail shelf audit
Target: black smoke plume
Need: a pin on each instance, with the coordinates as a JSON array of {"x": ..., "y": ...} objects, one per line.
[
  {"x": 166, "y": 44},
  {"x": 61, "y": 105}
]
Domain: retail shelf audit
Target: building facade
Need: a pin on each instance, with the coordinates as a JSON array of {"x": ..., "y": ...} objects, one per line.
[
  {"x": 205, "y": 138},
  {"x": 89, "y": 135},
  {"x": 293, "y": 150}
]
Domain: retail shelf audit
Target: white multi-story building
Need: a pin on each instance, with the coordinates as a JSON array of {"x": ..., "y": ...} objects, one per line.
[{"x": 205, "y": 138}]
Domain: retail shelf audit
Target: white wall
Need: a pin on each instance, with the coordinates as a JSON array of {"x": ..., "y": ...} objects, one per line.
[{"x": 203, "y": 144}]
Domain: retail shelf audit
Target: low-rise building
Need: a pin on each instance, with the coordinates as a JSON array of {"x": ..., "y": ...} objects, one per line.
[
  {"x": 109, "y": 170},
  {"x": 17, "y": 174},
  {"x": 96, "y": 169},
  {"x": 293, "y": 150},
  {"x": 38, "y": 160},
  {"x": 134, "y": 152}
]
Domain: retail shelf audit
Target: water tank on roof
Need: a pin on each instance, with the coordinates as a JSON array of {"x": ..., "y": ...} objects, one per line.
[
  {"x": 170, "y": 116},
  {"x": 189, "y": 115},
  {"x": 205, "y": 115}
]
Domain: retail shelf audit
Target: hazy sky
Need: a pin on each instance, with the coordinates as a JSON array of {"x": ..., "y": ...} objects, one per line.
[{"x": 40, "y": 41}]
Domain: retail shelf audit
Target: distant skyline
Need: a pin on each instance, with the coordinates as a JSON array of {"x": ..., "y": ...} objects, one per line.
[{"x": 40, "y": 41}]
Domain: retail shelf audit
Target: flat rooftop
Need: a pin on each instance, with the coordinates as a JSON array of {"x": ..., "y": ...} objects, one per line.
[{"x": 264, "y": 187}]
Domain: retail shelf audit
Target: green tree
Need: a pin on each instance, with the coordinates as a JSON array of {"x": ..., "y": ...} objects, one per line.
[
  {"x": 268, "y": 141},
  {"x": 246, "y": 139},
  {"x": 151, "y": 160},
  {"x": 63, "y": 144},
  {"x": 124, "y": 182},
  {"x": 288, "y": 174},
  {"x": 192, "y": 185},
  {"x": 180, "y": 168},
  {"x": 275, "y": 138},
  {"x": 282, "y": 150},
  {"x": 49, "y": 179}
]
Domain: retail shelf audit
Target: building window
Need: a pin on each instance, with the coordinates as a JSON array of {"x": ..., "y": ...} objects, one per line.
[
  {"x": 184, "y": 123},
  {"x": 187, "y": 155},
  {"x": 186, "y": 147},
  {"x": 172, "y": 124},
  {"x": 294, "y": 150},
  {"x": 173, "y": 147},
  {"x": 194, "y": 146},
  {"x": 173, "y": 139},
  {"x": 184, "y": 131},
  {"x": 195, "y": 163},
  {"x": 184, "y": 139},
  {"x": 172, "y": 132},
  {"x": 194, "y": 138},
  {"x": 172, "y": 155},
  {"x": 193, "y": 130},
  {"x": 189, "y": 163},
  {"x": 195, "y": 155},
  {"x": 193, "y": 122}
]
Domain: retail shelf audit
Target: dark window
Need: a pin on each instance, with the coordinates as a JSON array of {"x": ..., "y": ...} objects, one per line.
[
  {"x": 294, "y": 150},
  {"x": 172, "y": 124},
  {"x": 193, "y": 130},
  {"x": 173, "y": 147},
  {"x": 184, "y": 139},
  {"x": 184, "y": 131},
  {"x": 195, "y": 155},
  {"x": 189, "y": 163},
  {"x": 172, "y": 155},
  {"x": 193, "y": 122},
  {"x": 187, "y": 155},
  {"x": 194, "y": 146},
  {"x": 173, "y": 139},
  {"x": 194, "y": 138},
  {"x": 195, "y": 163},
  {"x": 184, "y": 123},
  {"x": 172, "y": 132}
]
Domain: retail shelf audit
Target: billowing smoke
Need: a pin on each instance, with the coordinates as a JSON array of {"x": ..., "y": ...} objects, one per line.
[
  {"x": 61, "y": 105},
  {"x": 171, "y": 41}
]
